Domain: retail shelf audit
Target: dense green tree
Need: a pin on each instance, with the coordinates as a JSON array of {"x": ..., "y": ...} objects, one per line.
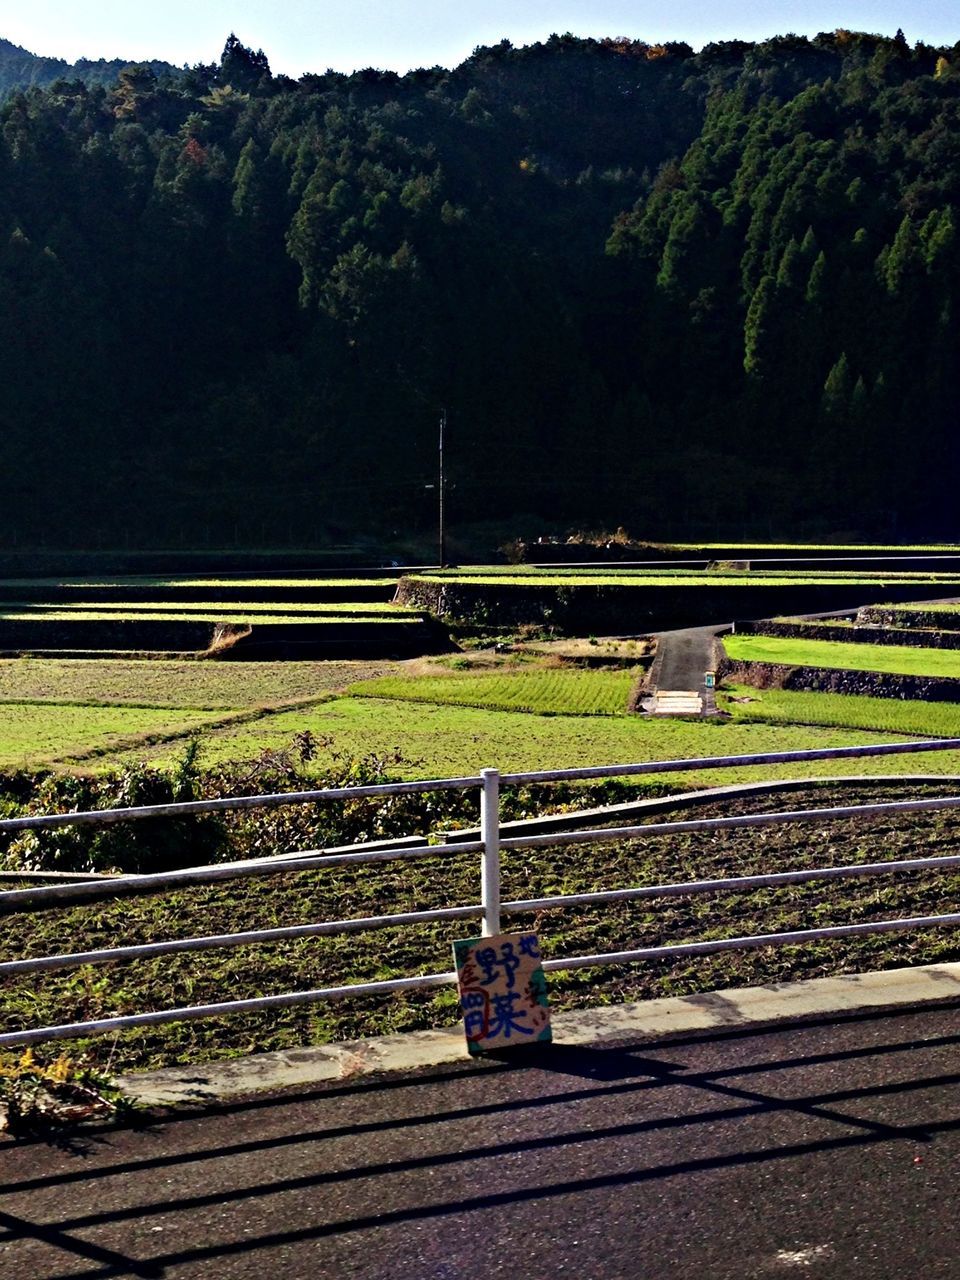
[
  {"x": 240, "y": 67},
  {"x": 686, "y": 293}
]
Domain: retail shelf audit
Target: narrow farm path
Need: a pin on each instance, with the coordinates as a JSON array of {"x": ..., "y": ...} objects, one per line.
[
  {"x": 677, "y": 681},
  {"x": 851, "y": 612}
]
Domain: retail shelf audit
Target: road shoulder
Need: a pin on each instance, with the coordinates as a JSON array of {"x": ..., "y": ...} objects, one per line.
[{"x": 648, "y": 1020}]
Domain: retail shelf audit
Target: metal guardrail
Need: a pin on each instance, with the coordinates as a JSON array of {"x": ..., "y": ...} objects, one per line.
[{"x": 489, "y": 910}]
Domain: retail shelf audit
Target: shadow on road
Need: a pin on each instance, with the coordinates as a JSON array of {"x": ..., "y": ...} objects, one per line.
[{"x": 565, "y": 1123}]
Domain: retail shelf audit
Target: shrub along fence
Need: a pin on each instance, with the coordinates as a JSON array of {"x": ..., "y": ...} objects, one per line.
[{"x": 488, "y": 912}]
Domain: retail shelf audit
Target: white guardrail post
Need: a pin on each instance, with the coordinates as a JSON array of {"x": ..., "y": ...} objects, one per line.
[{"x": 490, "y": 835}]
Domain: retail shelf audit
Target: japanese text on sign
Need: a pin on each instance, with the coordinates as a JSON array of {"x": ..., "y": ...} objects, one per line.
[{"x": 503, "y": 991}]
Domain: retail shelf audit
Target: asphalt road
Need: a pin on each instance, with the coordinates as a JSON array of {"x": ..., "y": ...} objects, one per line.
[
  {"x": 828, "y": 1150},
  {"x": 687, "y": 654}
]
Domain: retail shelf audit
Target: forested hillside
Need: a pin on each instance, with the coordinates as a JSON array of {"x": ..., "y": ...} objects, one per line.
[
  {"x": 686, "y": 293},
  {"x": 20, "y": 69}
]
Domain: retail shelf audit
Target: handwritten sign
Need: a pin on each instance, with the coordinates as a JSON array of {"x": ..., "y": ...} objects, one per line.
[{"x": 503, "y": 991}]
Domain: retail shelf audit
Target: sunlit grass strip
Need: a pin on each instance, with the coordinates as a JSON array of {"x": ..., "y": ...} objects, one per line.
[
  {"x": 886, "y": 548},
  {"x": 152, "y": 608},
  {"x": 843, "y": 711},
  {"x": 555, "y": 693},
  {"x": 671, "y": 581},
  {"x": 146, "y": 584},
  {"x": 228, "y": 613},
  {"x": 594, "y": 573},
  {"x": 838, "y": 655},
  {"x": 33, "y": 738},
  {"x": 921, "y": 606}
]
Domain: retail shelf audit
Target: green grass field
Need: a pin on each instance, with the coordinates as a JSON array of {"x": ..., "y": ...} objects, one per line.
[
  {"x": 206, "y": 686},
  {"x": 844, "y": 711},
  {"x": 97, "y": 714},
  {"x": 540, "y": 692},
  {"x": 34, "y": 736},
  {"x": 448, "y": 741},
  {"x": 894, "y": 659}
]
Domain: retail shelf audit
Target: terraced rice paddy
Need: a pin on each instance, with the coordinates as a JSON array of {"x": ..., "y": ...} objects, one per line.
[
  {"x": 838, "y": 655},
  {"x": 241, "y": 614},
  {"x": 428, "y": 719},
  {"x": 539, "y": 692},
  {"x": 207, "y": 686},
  {"x": 841, "y": 710},
  {"x": 96, "y": 713},
  {"x": 436, "y": 720},
  {"x": 435, "y": 740},
  {"x": 286, "y": 618}
]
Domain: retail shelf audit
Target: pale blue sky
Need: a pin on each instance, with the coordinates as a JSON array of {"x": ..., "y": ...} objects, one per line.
[{"x": 310, "y": 35}]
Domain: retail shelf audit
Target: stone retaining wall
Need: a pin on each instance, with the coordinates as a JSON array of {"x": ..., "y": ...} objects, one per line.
[
  {"x": 880, "y": 616},
  {"x": 875, "y": 633},
  {"x": 584, "y": 608},
  {"x": 874, "y": 684}
]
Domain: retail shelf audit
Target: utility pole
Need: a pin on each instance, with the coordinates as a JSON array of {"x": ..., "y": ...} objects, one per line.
[{"x": 443, "y": 532}]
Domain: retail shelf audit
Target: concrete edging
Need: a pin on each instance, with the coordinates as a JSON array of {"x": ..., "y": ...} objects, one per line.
[{"x": 653, "y": 1020}]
